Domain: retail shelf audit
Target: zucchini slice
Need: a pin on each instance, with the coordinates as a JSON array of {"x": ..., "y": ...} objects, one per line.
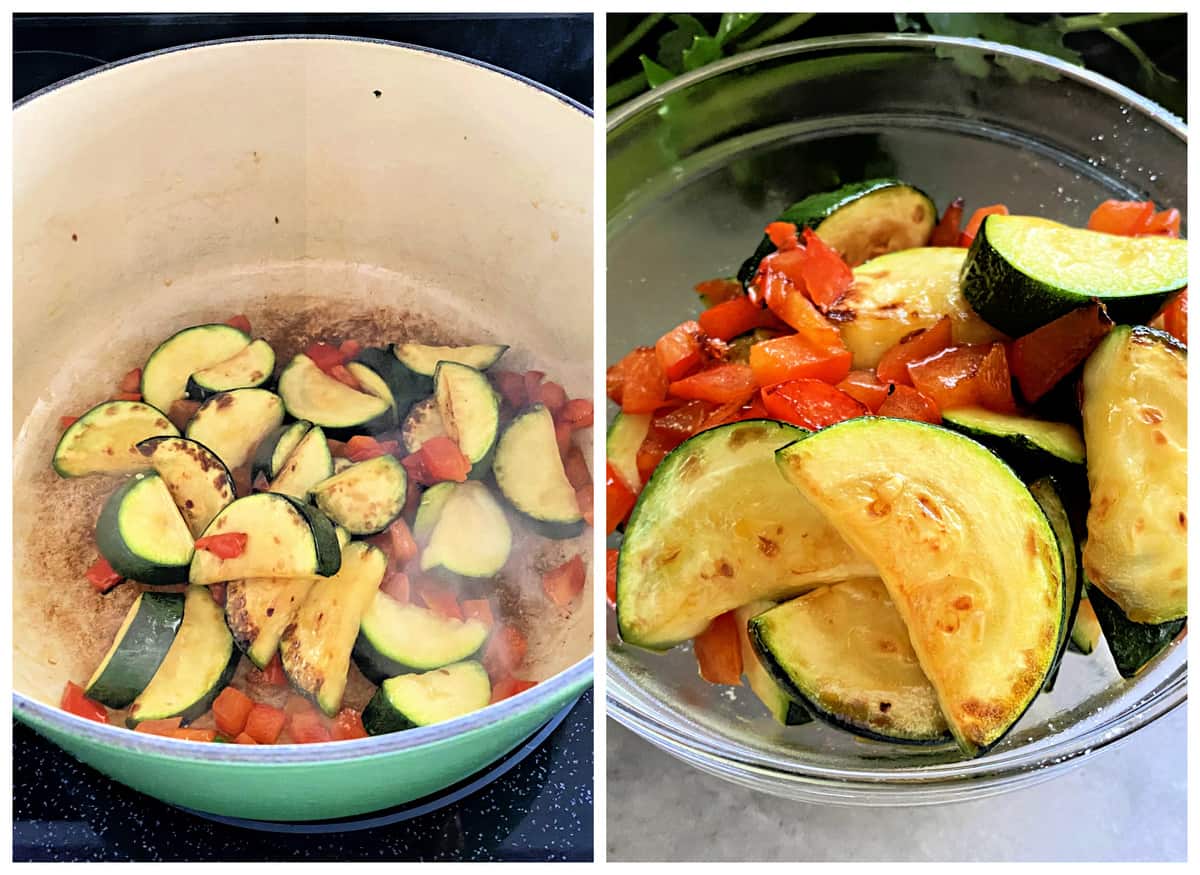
[
  {"x": 844, "y": 651},
  {"x": 1085, "y": 634},
  {"x": 258, "y": 609},
  {"x": 423, "y": 699},
  {"x": 273, "y": 450},
  {"x": 395, "y": 638},
  {"x": 429, "y": 511},
  {"x": 141, "y": 645},
  {"x": 783, "y": 708},
  {"x": 1135, "y": 426},
  {"x": 142, "y": 534},
  {"x": 382, "y": 374},
  {"x": 104, "y": 440},
  {"x": 1022, "y": 441},
  {"x": 422, "y": 423},
  {"x": 897, "y": 294},
  {"x": 1133, "y": 645},
  {"x": 310, "y": 393},
  {"x": 529, "y": 472},
  {"x": 625, "y": 437},
  {"x": 470, "y": 411},
  {"x": 250, "y": 368},
  {"x": 231, "y": 424},
  {"x": 717, "y": 527},
  {"x": 861, "y": 221},
  {"x": 967, "y": 556},
  {"x": 165, "y": 375},
  {"x": 199, "y": 664},
  {"x": 1023, "y": 272},
  {"x": 308, "y": 464},
  {"x": 198, "y": 481},
  {"x": 1047, "y": 495},
  {"x": 423, "y": 360},
  {"x": 472, "y": 537},
  {"x": 366, "y": 497},
  {"x": 315, "y": 648},
  {"x": 286, "y": 539}
]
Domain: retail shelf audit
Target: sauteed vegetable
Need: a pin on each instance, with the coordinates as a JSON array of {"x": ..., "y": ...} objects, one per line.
[
  {"x": 347, "y": 518},
  {"x": 896, "y": 467}
]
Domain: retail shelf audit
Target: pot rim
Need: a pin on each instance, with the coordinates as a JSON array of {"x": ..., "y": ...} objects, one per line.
[
  {"x": 570, "y": 681},
  {"x": 1101, "y": 83}
]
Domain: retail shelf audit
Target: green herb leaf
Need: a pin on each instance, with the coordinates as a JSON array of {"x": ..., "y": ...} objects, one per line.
[
  {"x": 673, "y": 43},
  {"x": 656, "y": 74},
  {"x": 998, "y": 27},
  {"x": 734, "y": 24},
  {"x": 704, "y": 50}
]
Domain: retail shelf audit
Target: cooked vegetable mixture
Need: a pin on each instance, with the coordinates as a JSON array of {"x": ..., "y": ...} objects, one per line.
[
  {"x": 896, "y": 467},
  {"x": 348, "y": 517}
]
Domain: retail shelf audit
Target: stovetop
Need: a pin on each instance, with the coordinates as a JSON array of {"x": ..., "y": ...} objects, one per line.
[{"x": 539, "y": 810}]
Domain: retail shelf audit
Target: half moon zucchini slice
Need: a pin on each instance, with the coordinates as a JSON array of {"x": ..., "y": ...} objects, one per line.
[
  {"x": 105, "y": 439},
  {"x": 142, "y": 534},
  {"x": 718, "y": 527},
  {"x": 140, "y": 646},
  {"x": 529, "y": 472},
  {"x": 232, "y": 424},
  {"x": 165, "y": 375},
  {"x": 844, "y": 651},
  {"x": 966, "y": 553},
  {"x": 196, "y": 478}
]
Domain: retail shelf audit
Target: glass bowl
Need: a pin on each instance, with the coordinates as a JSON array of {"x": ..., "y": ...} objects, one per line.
[{"x": 697, "y": 168}]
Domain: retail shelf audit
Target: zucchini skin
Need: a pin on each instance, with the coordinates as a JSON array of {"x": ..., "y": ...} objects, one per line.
[
  {"x": 204, "y": 705},
  {"x": 407, "y": 387},
  {"x": 120, "y": 557},
  {"x": 814, "y": 707},
  {"x": 140, "y": 651},
  {"x": 329, "y": 548},
  {"x": 1132, "y": 645},
  {"x": 262, "y": 461},
  {"x": 1046, "y": 492},
  {"x": 380, "y": 718}
]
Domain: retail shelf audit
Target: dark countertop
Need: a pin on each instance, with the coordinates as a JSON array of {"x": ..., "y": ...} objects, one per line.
[{"x": 542, "y": 809}]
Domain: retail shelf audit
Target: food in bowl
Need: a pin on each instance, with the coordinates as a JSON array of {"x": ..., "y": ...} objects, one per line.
[
  {"x": 896, "y": 467},
  {"x": 315, "y": 557}
]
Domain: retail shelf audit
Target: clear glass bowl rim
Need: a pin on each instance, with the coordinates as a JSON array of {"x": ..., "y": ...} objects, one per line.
[{"x": 643, "y": 715}]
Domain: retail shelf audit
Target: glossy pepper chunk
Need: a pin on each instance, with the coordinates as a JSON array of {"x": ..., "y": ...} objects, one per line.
[
  {"x": 1044, "y": 356},
  {"x": 718, "y": 651}
]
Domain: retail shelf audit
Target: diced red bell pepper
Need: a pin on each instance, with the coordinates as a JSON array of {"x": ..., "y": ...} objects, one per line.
[
  {"x": 679, "y": 351},
  {"x": 362, "y": 447},
  {"x": 273, "y": 675},
  {"x": 305, "y": 727},
  {"x": 717, "y": 291},
  {"x": 181, "y": 412},
  {"x": 243, "y": 738},
  {"x": 948, "y": 376},
  {"x": 794, "y": 357},
  {"x": 734, "y": 412},
  {"x": 187, "y": 733},
  {"x": 398, "y": 543},
  {"x": 511, "y": 387},
  {"x": 478, "y": 609},
  {"x": 227, "y": 545},
  {"x": 349, "y": 349},
  {"x": 1175, "y": 317},
  {"x": 576, "y": 468},
  {"x": 720, "y": 384},
  {"x": 230, "y": 710},
  {"x": 641, "y": 384},
  {"x": 131, "y": 382},
  {"x": 921, "y": 344},
  {"x": 240, "y": 322},
  {"x": 167, "y": 726},
  {"x": 827, "y": 277},
  {"x": 439, "y": 599},
  {"x": 65, "y": 422},
  {"x": 102, "y": 577},
  {"x": 782, "y": 235},
  {"x": 505, "y": 651},
  {"x": 1043, "y": 357},
  {"x": 443, "y": 460},
  {"x": 810, "y": 404},
  {"x": 564, "y": 583},
  {"x": 552, "y": 396},
  {"x": 611, "y": 558},
  {"x": 578, "y": 413},
  {"x": 905, "y": 402},
  {"x": 264, "y": 723},
  {"x": 340, "y": 373},
  {"x": 1165, "y": 224},
  {"x": 507, "y": 687},
  {"x": 790, "y": 304},
  {"x": 585, "y": 497},
  {"x": 619, "y": 499},
  {"x": 396, "y": 585},
  {"x": 75, "y": 702},
  {"x": 325, "y": 356},
  {"x": 736, "y": 316},
  {"x": 946, "y": 232},
  {"x": 719, "y": 651},
  {"x": 977, "y": 217},
  {"x": 562, "y": 437},
  {"x": 1124, "y": 218},
  {"x": 653, "y": 450},
  {"x": 347, "y": 725},
  {"x": 995, "y": 381},
  {"x": 533, "y": 381},
  {"x": 865, "y": 388},
  {"x": 126, "y": 396},
  {"x": 677, "y": 425}
]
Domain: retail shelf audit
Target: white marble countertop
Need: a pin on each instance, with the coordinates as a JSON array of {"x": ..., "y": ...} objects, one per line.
[{"x": 1126, "y": 804}]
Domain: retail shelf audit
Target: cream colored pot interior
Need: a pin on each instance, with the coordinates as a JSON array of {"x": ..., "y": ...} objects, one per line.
[{"x": 319, "y": 186}]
